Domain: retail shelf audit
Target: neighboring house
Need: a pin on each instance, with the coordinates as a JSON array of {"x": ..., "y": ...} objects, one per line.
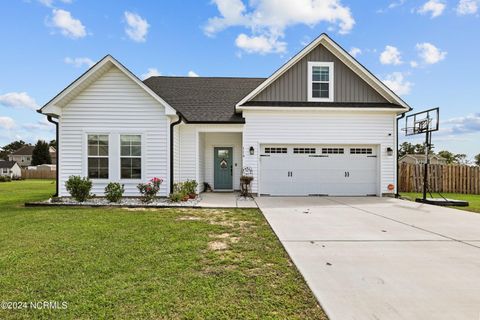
[
  {"x": 24, "y": 155},
  {"x": 322, "y": 124},
  {"x": 420, "y": 159},
  {"x": 43, "y": 167},
  {"x": 10, "y": 168}
]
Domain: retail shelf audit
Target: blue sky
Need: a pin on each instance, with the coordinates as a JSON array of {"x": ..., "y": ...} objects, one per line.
[{"x": 425, "y": 50}]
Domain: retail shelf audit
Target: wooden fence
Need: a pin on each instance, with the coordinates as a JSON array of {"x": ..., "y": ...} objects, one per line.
[
  {"x": 38, "y": 174},
  {"x": 442, "y": 178}
]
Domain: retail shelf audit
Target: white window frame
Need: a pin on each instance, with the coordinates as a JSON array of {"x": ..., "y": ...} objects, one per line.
[
  {"x": 87, "y": 156},
  {"x": 312, "y": 64},
  {"x": 142, "y": 152}
]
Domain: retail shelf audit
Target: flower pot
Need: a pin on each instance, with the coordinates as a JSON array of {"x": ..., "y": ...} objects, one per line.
[
  {"x": 185, "y": 198},
  {"x": 192, "y": 195}
]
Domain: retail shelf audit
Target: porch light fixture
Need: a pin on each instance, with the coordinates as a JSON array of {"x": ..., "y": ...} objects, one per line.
[
  {"x": 252, "y": 151},
  {"x": 390, "y": 151}
]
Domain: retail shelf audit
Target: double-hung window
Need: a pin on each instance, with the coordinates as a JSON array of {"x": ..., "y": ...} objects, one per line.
[
  {"x": 131, "y": 156},
  {"x": 98, "y": 156},
  {"x": 320, "y": 81}
]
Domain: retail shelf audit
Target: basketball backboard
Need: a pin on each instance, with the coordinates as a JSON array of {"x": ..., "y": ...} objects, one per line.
[{"x": 422, "y": 122}]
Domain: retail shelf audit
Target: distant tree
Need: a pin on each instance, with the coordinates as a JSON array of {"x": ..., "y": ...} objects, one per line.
[
  {"x": 53, "y": 143},
  {"x": 451, "y": 157},
  {"x": 11, "y": 147},
  {"x": 41, "y": 153},
  {"x": 477, "y": 159},
  {"x": 448, "y": 156},
  {"x": 406, "y": 148}
]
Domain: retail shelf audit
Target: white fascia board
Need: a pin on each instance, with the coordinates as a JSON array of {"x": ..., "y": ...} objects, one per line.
[{"x": 288, "y": 109}]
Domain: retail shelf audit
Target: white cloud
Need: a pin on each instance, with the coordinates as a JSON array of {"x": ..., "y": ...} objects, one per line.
[
  {"x": 268, "y": 19},
  {"x": 354, "y": 52},
  {"x": 413, "y": 64},
  {"x": 465, "y": 7},
  {"x": 461, "y": 125},
  {"x": 18, "y": 100},
  {"x": 42, "y": 124},
  {"x": 137, "y": 27},
  {"x": 260, "y": 44},
  {"x": 68, "y": 25},
  {"x": 49, "y": 3},
  {"x": 79, "y": 61},
  {"x": 151, "y": 72},
  {"x": 192, "y": 73},
  {"x": 433, "y": 7},
  {"x": 429, "y": 53},
  {"x": 7, "y": 123},
  {"x": 397, "y": 82},
  {"x": 391, "y": 55}
]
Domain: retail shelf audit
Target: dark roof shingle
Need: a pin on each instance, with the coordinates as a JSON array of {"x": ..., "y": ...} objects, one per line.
[
  {"x": 204, "y": 99},
  {"x": 23, "y": 151},
  {"x": 7, "y": 164}
]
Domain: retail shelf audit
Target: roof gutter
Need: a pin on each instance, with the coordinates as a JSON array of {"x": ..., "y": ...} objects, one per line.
[
  {"x": 172, "y": 125},
  {"x": 49, "y": 118},
  {"x": 397, "y": 195}
]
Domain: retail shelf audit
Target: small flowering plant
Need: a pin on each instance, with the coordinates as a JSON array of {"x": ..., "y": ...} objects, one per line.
[{"x": 150, "y": 189}]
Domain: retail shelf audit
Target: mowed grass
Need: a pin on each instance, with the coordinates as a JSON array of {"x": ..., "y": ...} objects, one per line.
[
  {"x": 473, "y": 199},
  {"x": 144, "y": 264}
]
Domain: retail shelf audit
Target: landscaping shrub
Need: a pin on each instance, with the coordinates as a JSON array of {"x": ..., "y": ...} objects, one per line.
[
  {"x": 176, "y": 196},
  {"x": 114, "y": 191},
  {"x": 150, "y": 189},
  {"x": 5, "y": 179},
  {"x": 79, "y": 188}
]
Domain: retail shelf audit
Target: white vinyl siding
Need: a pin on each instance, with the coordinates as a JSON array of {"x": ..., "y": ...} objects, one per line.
[
  {"x": 321, "y": 127},
  {"x": 114, "y": 104}
]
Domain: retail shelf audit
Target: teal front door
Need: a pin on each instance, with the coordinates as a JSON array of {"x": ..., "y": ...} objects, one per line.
[{"x": 223, "y": 168}]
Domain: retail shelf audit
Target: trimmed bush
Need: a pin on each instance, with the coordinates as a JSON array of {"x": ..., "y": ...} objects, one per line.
[
  {"x": 190, "y": 188},
  {"x": 114, "y": 191},
  {"x": 5, "y": 179},
  {"x": 79, "y": 188}
]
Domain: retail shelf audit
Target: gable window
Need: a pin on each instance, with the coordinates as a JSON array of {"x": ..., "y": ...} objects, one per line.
[
  {"x": 320, "y": 81},
  {"x": 98, "y": 156},
  {"x": 131, "y": 156}
]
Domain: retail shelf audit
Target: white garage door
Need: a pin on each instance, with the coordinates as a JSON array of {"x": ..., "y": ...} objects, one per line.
[{"x": 318, "y": 170}]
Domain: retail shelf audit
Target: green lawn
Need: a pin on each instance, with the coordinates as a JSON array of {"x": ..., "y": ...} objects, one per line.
[
  {"x": 144, "y": 264},
  {"x": 473, "y": 199}
]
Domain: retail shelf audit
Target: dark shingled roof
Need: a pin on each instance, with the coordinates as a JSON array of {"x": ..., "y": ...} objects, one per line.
[
  {"x": 24, "y": 151},
  {"x": 321, "y": 104},
  {"x": 6, "y": 164},
  {"x": 204, "y": 99}
]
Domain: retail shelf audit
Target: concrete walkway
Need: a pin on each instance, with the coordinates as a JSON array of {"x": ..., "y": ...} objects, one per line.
[
  {"x": 225, "y": 200},
  {"x": 382, "y": 258}
]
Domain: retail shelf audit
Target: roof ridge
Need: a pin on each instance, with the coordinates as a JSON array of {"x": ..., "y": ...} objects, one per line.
[{"x": 201, "y": 77}]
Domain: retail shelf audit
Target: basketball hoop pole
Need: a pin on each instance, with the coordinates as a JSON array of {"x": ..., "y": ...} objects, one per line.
[{"x": 428, "y": 141}]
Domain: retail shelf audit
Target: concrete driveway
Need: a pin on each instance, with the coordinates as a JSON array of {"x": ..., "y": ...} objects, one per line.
[{"x": 382, "y": 258}]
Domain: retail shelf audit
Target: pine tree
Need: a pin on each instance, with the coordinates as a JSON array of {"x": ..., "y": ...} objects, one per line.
[{"x": 41, "y": 153}]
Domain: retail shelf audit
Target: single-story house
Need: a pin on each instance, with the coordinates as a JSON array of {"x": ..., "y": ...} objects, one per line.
[
  {"x": 24, "y": 155},
  {"x": 322, "y": 124},
  {"x": 10, "y": 168},
  {"x": 420, "y": 159}
]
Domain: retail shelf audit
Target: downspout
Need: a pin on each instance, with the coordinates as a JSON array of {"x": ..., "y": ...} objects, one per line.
[
  {"x": 57, "y": 175},
  {"x": 172, "y": 125},
  {"x": 397, "y": 195}
]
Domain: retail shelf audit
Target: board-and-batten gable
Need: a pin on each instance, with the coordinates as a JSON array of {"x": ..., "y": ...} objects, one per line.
[{"x": 293, "y": 84}]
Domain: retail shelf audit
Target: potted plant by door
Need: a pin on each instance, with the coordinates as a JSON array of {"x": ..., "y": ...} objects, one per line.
[{"x": 245, "y": 180}]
